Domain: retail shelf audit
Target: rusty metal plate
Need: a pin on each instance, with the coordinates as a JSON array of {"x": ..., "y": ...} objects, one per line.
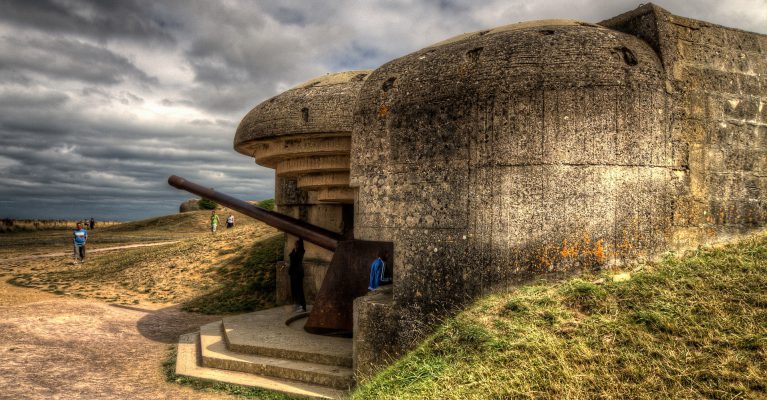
[{"x": 347, "y": 278}]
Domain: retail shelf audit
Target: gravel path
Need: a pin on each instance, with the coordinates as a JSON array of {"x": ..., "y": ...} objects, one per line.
[
  {"x": 98, "y": 250},
  {"x": 63, "y": 348}
]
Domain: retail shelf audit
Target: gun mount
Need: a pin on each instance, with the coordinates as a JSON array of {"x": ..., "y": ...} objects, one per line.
[{"x": 347, "y": 275}]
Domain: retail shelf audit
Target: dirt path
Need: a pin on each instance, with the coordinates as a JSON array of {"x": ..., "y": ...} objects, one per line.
[
  {"x": 98, "y": 250},
  {"x": 63, "y": 348},
  {"x": 77, "y": 345}
]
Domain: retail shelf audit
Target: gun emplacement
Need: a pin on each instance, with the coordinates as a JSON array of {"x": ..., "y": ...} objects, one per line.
[{"x": 347, "y": 274}]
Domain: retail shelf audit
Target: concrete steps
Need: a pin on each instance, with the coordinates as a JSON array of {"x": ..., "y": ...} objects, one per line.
[
  {"x": 188, "y": 364},
  {"x": 215, "y": 354},
  {"x": 269, "y": 349}
]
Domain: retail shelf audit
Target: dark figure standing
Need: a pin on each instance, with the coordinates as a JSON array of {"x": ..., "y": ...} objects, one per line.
[
  {"x": 92, "y": 223},
  {"x": 296, "y": 272}
]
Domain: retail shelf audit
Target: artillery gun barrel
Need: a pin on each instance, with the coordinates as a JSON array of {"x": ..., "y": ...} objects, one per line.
[{"x": 311, "y": 233}]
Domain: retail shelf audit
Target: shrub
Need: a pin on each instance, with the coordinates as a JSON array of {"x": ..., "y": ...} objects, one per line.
[
  {"x": 207, "y": 204},
  {"x": 267, "y": 204}
]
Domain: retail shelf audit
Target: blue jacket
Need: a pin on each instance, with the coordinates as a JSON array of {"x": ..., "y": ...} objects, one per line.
[
  {"x": 80, "y": 236},
  {"x": 377, "y": 269}
]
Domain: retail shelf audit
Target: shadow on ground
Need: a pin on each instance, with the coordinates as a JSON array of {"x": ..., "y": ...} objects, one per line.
[{"x": 167, "y": 324}]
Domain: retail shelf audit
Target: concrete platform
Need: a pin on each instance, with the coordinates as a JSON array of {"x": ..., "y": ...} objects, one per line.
[
  {"x": 215, "y": 354},
  {"x": 269, "y": 349},
  {"x": 267, "y": 333}
]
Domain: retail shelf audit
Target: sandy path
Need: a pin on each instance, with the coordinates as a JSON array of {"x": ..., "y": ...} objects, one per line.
[
  {"x": 98, "y": 250},
  {"x": 63, "y": 348}
]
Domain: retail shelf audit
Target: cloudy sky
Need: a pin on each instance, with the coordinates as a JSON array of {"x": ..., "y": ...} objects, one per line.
[{"x": 101, "y": 100}]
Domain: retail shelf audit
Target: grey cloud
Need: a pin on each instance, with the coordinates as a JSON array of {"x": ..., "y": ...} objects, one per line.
[
  {"x": 68, "y": 59},
  {"x": 95, "y": 19},
  {"x": 15, "y": 98},
  {"x": 173, "y": 102},
  {"x": 96, "y": 172},
  {"x": 130, "y": 98}
]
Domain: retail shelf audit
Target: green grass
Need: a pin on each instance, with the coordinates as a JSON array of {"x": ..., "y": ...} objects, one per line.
[
  {"x": 169, "y": 370},
  {"x": 245, "y": 284},
  {"x": 684, "y": 328},
  {"x": 267, "y": 204}
]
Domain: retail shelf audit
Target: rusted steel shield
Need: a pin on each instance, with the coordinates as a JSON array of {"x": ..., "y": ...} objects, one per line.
[{"x": 347, "y": 278}]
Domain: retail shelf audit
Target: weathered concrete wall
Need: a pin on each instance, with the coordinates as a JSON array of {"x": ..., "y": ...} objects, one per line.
[
  {"x": 717, "y": 85},
  {"x": 552, "y": 146},
  {"x": 526, "y": 149}
]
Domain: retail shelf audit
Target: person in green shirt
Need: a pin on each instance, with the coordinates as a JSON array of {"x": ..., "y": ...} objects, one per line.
[{"x": 213, "y": 221}]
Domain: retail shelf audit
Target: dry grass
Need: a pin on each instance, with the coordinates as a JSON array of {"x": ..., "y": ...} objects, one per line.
[
  {"x": 686, "y": 328},
  {"x": 224, "y": 267},
  {"x": 36, "y": 225}
]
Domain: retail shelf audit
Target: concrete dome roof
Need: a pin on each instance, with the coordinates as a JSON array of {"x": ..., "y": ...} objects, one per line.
[
  {"x": 321, "y": 105},
  {"x": 535, "y": 55}
]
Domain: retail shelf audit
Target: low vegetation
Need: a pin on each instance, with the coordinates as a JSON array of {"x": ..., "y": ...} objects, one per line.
[
  {"x": 267, "y": 204},
  {"x": 207, "y": 204},
  {"x": 685, "y": 328}
]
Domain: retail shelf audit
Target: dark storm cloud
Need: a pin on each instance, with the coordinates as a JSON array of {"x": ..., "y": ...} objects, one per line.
[
  {"x": 96, "y": 171},
  {"x": 96, "y": 19},
  {"x": 68, "y": 59}
]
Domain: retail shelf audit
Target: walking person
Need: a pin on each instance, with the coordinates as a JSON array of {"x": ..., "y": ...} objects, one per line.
[
  {"x": 230, "y": 221},
  {"x": 296, "y": 272},
  {"x": 213, "y": 221},
  {"x": 80, "y": 237}
]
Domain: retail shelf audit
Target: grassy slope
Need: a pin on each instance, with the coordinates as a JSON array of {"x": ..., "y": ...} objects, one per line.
[
  {"x": 231, "y": 271},
  {"x": 692, "y": 327},
  {"x": 246, "y": 282}
]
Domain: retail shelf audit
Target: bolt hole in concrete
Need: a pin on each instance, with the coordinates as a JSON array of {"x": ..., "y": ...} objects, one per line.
[
  {"x": 305, "y": 114},
  {"x": 628, "y": 55},
  {"x": 388, "y": 84},
  {"x": 473, "y": 54}
]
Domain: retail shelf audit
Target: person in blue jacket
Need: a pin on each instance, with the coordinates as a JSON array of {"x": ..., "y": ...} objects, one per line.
[
  {"x": 80, "y": 237},
  {"x": 378, "y": 275}
]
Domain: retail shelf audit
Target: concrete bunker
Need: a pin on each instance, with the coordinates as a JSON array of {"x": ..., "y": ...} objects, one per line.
[{"x": 532, "y": 148}]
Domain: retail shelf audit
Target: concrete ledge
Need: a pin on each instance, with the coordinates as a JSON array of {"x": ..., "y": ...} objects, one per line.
[
  {"x": 265, "y": 333},
  {"x": 187, "y": 365}
]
